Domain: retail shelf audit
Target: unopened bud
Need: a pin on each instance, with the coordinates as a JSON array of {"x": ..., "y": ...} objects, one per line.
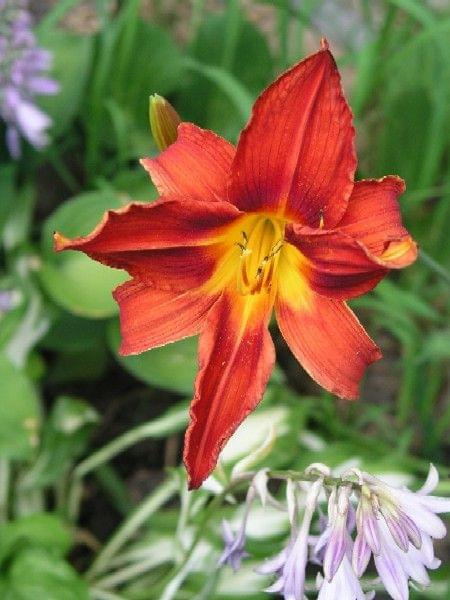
[{"x": 164, "y": 121}]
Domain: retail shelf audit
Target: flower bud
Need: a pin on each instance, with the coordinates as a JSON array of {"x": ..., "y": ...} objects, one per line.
[{"x": 164, "y": 121}]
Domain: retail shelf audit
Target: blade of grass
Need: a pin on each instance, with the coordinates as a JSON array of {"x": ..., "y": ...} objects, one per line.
[
  {"x": 434, "y": 266},
  {"x": 55, "y": 14},
  {"x": 232, "y": 87},
  {"x": 128, "y": 528},
  {"x": 416, "y": 10},
  {"x": 115, "y": 488},
  {"x": 231, "y": 34}
]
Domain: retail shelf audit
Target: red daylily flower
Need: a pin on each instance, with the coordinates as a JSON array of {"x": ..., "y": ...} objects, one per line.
[{"x": 276, "y": 223}]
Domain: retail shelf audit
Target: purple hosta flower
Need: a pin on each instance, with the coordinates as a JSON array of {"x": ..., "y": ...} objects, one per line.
[
  {"x": 337, "y": 536},
  {"x": 335, "y": 530},
  {"x": 290, "y": 564},
  {"x": 8, "y": 300},
  {"x": 344, "y": 584},
  {"x": 22, "y": 64},
  {"x": 397, "y": 526},
  {"x": 334, "y": 546},
  {"x": 234, "y": 550}
]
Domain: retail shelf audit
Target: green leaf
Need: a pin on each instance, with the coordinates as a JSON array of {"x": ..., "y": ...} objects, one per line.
[
  {"x": 19, "y": 413},
  {"x": 74, "y": 281},
  {"x": 152, "y": 63},
  {"x": 73, "y": 334},
  {"x": 82, "y": 286},
  {"x": 171, "y": 367},
  {"x": 38, "y": 574},
  {"x": 219, "y": 95},
  {"x": 7, "y": 175},
  {"x": 72, "y": 58},
  {"x": 18, "y": 223},
  {"x": 228, "y": 84},
  {"x": 38, "y": 529},
  {"x": 136, "y": 183},
  {"x": 65, "y": 438}
]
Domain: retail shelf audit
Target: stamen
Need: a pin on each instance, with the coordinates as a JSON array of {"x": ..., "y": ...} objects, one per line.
[
  {"x": 244, "y": 246},
  {"x": 258, "y": 250}
]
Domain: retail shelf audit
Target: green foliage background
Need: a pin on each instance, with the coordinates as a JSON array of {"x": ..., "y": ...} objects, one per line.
[{"x": 63, "y": 446}]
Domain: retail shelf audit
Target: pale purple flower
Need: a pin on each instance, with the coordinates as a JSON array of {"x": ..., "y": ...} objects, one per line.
[
  {"x": 6, "y": 301},
  {"x": 329, "y": 547},
  {"x": 343, "y": 585},
  {"x": 22, "y": 64},
  {"x": 9, "y": 299},
  {"x": 395, "y": 566},
  {"x": 397, "y": 526},
  {"x": 290, "y": 564},
  {"x": 339, "y": 539},
  {"x": 234, "y": 550}
]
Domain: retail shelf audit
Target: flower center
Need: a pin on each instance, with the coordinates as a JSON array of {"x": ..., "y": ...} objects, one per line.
[{"x": 260, "y": 245}]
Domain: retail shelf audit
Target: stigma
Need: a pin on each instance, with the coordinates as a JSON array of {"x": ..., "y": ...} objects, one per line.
[{"x": 260, "y": 246}]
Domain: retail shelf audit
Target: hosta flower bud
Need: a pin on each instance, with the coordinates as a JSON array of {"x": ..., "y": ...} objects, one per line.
[{"x": 164, "y": 121}]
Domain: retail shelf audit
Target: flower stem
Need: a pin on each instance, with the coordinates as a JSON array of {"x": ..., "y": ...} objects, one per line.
[
  {"x": 217, "y": 501},
  {"x": 132, "y": 524},
  {"x": 5, "y": 476},
  {"x": 435, "y": 266}
]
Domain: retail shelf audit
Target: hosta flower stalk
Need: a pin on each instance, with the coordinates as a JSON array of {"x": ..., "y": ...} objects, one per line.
[{"x": 396, "y": 525}]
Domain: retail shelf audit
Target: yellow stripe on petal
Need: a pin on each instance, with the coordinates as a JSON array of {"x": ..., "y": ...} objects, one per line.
[{"x": 293, "y": 286}]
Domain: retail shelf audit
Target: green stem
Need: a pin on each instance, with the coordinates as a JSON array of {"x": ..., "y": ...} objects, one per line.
[
  {"x": 53, "y": 17},
  {"x": 435, "y": 266},
  {"x": 173, "y": 420},
  {"x": 5, "y": 478},
  {"x": 128, "y": 528},
  {"x": 115, "y": 488},
  {"x": 97, "y": 593},
  {"x": 123, "y": 575},
  {"x": 233, "y": 26},
  {"x": 157, "y": 428},
  {"x": 198, "y": 7},
  {"x": 283, "y": 37}
]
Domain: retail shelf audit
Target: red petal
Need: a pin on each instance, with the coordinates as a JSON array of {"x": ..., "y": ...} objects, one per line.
[
  {"x": 336, "y": 265},
  {"x": 170, "y": 269},
  {"x": 163, "y": 224},
  {"x": 373, "y": 218},
  {"x": 196, "y": 166},
  {"x": 325, "y": 337},
  {"x": 236, "y": 357},
  {"x": 151, "y": 318},
  {"x": 296, "y": 155}
]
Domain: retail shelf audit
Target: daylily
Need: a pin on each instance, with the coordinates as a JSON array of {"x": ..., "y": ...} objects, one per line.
[{"x": 276, "y": 223}]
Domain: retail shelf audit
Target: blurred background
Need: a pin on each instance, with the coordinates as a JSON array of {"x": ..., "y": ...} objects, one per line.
[{"x": 92, "y": 497}]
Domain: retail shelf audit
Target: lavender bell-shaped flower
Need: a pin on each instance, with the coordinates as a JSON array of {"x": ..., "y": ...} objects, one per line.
[
  {"x": 397, "y": 526},
  {"x": 290, "y": 564},
  {"x": 6, "y": 301},
  {"x": 344, "y": 584},
  {"x": 234, "y": 550},
  {"x": 335, "y": 546},
  {"x": 22, "y": 64}
]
